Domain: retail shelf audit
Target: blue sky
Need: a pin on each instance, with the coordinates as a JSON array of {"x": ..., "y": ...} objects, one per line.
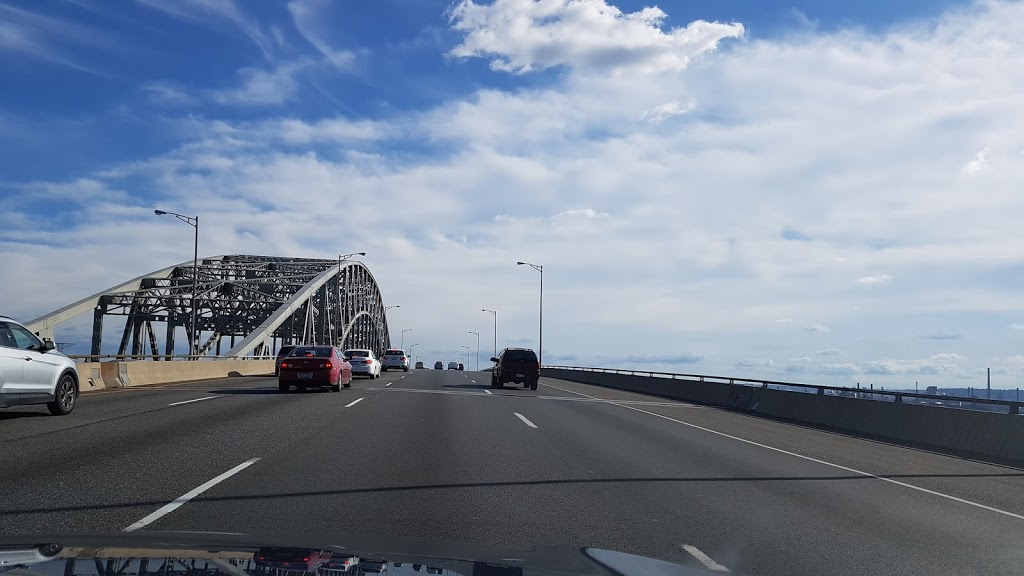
[{"x": 820, "y": 191}]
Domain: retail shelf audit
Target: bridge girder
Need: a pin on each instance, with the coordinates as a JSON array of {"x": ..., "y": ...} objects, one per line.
[{"x": 261, "y": 300}]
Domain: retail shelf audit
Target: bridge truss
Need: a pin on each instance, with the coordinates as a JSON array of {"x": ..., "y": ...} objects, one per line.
[{"x": 246, "y": 305}]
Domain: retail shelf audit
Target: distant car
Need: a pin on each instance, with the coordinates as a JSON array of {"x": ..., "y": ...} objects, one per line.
[
  {"x": 395, "y": 358},
  {"x": 314, "y": 366},
  {"x": 518, "y": 365},
  {"x": 438, "y": 365},
  {"x": 460, "y": 366},
  {"x": 12, "y": 557},
  {"x": 453, "y": 365},
  {"x": 282, "y": 353},
  {"x": 297, "y": 559},
  {"x": 32, "y": 371},
  {"x": 364, "y": 362},
  {"x": 419, "y": 365},
  {"x": 375, "y": 566},
  {"x": 339, "y": 564}
]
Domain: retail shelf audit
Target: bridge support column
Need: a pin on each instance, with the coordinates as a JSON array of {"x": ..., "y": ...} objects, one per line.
[{"x": 97, "y": 328}]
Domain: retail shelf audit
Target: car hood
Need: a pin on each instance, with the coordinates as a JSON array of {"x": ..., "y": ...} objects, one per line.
[{"x": 221, "y": 554}]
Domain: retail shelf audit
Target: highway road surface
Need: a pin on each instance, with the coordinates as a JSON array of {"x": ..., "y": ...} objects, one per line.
[{"x": 439, "y": 455}]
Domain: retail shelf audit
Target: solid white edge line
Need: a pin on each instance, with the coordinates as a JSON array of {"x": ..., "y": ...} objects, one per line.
[
  {"x": 193, "y": 400},
  {"x": 353, "y": 403},
  {"x": 525, "y": 420},
  {"x": 184, "y": 498},
  {"x": 488, "y": 392},
  {"x": 811, "y": 459},
  {"x": 704, "y": 559}
]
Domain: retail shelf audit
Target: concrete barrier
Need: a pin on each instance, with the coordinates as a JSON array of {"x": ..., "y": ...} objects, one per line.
[
  {"x": 100, "y": 375},
  {"x": 984, "y": 435},
  {"x": 90, "y": 376}
]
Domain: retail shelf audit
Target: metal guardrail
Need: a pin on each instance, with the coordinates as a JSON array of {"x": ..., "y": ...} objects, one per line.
[
  {"x": 161, "y": 357},
  {"x": 1013, "y": 407}
]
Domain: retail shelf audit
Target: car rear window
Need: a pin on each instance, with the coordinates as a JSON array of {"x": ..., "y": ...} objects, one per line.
[
  {"x": 395, "y": 353},
  {"x": 521, "y": 356},
  {"x": 285, "y": 350},
  {"x": 357, "y": 353},
  {"x": 313, "y": 351}
]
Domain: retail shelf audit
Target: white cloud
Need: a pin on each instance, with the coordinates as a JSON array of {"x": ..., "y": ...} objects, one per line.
[
  {"x": 309, "y": 20},
  {"x": 754, "y": 364},
  {"x": 829, "y": 352},
  {"x": 524, "y": 35},
  {"x": 977, "y": 164},
  {"x": 1016, "y": 326},
  {"x": 262, "y": 86},
  {"x": 816, "y": 328},
  {"x": 210, "y": 11},
  {"x": 946, "y": 363},
  {"x": 663, "y": 112},
  {"x": 874, "y": 279},
  {"x": 838, "y": 369},
  {"x": 168, "y": 93}
]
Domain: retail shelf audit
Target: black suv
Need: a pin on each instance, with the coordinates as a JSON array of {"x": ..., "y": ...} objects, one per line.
[
  {"x": 281, "y": 354},
  {"x": 518, "y": 365}
]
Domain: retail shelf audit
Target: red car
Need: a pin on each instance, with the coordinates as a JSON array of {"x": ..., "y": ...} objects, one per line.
[{"x": 309, "y": 366}]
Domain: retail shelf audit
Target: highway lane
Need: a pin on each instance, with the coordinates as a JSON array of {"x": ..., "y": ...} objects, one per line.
[{"x": 433, "y": 454}]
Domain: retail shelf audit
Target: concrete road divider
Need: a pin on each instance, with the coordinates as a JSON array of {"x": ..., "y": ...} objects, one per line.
[
  {"x": 99, "y": 375},
  {"x": 985, "y": 435}
]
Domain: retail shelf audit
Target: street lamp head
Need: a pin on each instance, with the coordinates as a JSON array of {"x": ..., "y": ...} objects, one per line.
[
  {"x": 520, "y": 263},
  {"x": 159, "y": 212},
  {"x": 360, "y": 253}
]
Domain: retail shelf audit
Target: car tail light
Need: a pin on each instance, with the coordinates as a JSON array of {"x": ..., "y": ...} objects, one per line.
[
  {"x": 284, "y": 364},
  {"x": 404, "y": 358},
  {"x": 326, "y": 365},
  {"x": 305, "y": 558}
]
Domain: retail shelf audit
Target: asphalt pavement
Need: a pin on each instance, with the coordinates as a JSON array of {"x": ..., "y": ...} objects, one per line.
[{"x": 440, "y": 455}]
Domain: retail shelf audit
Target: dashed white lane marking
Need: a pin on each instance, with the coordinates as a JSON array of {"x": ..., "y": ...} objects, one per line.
[
  {"x": 193, "y": 400},
  {"x": 184, "y": 498},
  {"x": 810, "y": 459},
  {"x": 388, "y": 384},
  {"x": 525, "y": 420},
  {"x": 704, "y": 559},
  {"x": 353, "y": 403},
  {"x": 488, "y": 392}
]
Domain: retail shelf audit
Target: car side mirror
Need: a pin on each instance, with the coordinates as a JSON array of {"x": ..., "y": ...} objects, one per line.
[
  {"x": 494, "y": 359},
  {"x": 48, "y": 345}
]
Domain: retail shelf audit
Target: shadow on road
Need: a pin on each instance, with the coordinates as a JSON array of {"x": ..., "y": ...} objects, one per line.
[
  {"x": 500, "y": 484},
  {"x": 474, "y": 386},
  {"x": 9, "y": 415}
]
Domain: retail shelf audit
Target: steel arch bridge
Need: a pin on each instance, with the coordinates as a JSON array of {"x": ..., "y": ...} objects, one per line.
[{"x": 253, "y": 304}]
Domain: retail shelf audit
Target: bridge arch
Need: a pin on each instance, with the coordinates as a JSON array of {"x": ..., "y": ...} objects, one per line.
[{"x": 253, "y": 304}]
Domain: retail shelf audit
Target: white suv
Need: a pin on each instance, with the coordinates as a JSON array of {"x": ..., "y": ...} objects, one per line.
[
  {"x": 395, "y": 358},
  {"x": 32, "y": 371}
]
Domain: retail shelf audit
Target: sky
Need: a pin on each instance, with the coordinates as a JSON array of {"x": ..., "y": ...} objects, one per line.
[{"x": 815, "y": 192}]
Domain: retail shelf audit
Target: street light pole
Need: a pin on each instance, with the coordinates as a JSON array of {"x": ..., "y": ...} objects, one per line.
[
  {"x": 193, "y": 221},
  {"x": 477, "y": 349},
  {"x": 402, "y": 346},
  {"x": 540, "y": 344},
  {"x": 495, "y": 314},
  {"x": 386, "y": 308},
  {"x": 411, "y": 348},
  {"x": 467, "y": 351}
]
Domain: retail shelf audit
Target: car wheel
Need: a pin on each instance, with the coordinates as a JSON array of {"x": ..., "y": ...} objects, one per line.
[
  {"x": 406, "y": 369},
  {"x": 533, "y": 386},
  {"x": 282, "y": 387},
  {"x": 384, "y": 369},
  {"x": 65, "y": 396},
  {"x": 336, "y": 387}
]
